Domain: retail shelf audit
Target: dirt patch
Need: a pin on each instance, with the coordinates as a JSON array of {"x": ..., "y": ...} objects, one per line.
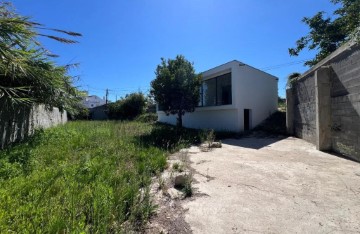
[{"x": 169, "y": 218}]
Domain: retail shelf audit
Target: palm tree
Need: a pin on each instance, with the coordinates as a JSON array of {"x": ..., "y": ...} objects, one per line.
[{"x": 27, "y": 75}]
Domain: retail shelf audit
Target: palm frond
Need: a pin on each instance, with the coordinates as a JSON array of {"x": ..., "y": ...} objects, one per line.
[
  {"x": 60, "y": 39},
  {"x": 70, "y": 33}
]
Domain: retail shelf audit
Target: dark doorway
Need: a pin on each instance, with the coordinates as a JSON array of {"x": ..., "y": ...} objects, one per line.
[{"x": 247, "y": 114}]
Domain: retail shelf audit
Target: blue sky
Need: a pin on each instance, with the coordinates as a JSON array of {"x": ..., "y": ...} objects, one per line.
[{"x": 123, "y": 41}]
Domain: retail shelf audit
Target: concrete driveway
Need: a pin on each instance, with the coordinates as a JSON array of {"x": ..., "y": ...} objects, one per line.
[{"x": 273, "y": 185}]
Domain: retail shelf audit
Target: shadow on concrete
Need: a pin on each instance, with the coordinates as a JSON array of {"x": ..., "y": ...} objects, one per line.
[
  {"x": 256, "y": 140},
  {"x": 14, "y": 124},
  {"x": 345, "y": 108}
]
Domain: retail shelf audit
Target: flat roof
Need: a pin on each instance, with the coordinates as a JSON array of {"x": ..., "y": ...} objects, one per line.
[{"x": 241, "y": 64}]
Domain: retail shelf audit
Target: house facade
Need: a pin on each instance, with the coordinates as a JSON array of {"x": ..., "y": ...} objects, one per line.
[
  {"x": 234, "y": 97},
  {"x": 93, "y": 101}
]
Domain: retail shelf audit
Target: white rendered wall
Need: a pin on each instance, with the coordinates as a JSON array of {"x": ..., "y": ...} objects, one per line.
[
  {"x": 257, "y": 91},
  {"x": 211, "y": 118}
]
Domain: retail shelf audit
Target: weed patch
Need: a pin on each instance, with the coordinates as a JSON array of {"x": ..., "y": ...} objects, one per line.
[
  {"x": 171, "y": 138},
  {"x": 85, "y": 176}
]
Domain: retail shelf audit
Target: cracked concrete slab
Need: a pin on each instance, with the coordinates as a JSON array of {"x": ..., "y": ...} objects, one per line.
[{"x": 273, "y": 185}]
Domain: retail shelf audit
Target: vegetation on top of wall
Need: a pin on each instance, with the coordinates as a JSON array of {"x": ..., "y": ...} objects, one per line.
[
  {"x": 27, "y": 74},
  {"x": 329, "y": 33},
  {"x": 291, "y": 79}
]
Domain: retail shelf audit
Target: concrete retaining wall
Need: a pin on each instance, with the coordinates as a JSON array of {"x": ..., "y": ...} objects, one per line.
[
  {"x": 304, "y": 109},
  {"x": 20, "y": 123},
  {"x": 324, "y": 103}
]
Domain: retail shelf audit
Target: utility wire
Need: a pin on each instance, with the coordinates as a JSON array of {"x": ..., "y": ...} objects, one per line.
[
  {"x": 283, "y": 65},
  {"x": 118, "y": 91}
]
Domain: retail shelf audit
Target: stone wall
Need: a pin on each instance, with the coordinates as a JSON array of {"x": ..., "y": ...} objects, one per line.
[
  {"x": 22, "y": 121},
  {"x": 325, "y": 103}
]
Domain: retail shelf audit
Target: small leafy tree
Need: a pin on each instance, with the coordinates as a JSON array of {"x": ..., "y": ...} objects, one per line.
[
  {"x": 176, "y": 87},
  {"x": 326, "y": 34}
]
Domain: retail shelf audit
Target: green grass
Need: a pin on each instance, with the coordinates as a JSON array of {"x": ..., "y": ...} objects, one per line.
[{"x": 85, "y": 176}]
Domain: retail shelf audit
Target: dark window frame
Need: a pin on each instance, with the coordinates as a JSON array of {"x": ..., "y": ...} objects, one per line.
[{"x": 216, "y": 91}]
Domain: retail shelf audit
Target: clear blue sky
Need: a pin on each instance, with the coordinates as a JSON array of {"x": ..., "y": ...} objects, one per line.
[{"x": 123, "y": 41}]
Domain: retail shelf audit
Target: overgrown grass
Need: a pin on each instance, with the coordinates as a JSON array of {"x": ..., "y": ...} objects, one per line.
[
  {"x": 85, "y": 176},
  {"x": 147, "y": 118},
  {"x": 171, "y": 138}
]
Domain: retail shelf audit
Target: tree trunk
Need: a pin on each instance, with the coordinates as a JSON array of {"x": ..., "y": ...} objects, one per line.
[{"x": 179, "y": 120}]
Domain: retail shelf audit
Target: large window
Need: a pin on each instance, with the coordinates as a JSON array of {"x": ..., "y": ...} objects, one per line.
[{"x": 216, "y": 91}]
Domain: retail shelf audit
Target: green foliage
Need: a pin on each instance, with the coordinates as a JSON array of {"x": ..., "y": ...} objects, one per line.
[
  {"x": 27, "y": 75},
  {"x": 281, "y": 104},
  {"x": 327, "y": 34},
  {"x": 170, "y": 138},
  {"x": 187, "y": 189},
  {"x": 80, "y": 177},
  {"x": 85, "y": 176},
  {"x": 291, "y": 79},
  {"x": 81, "y": 114},
  {"x": 128, "y": 108},
  {"x": 176, "y": 87},
  {"x": 147, "y": 118},
  {"x": 178, "y": 167}
]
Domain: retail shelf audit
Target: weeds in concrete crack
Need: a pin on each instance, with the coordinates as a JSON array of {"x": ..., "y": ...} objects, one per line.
[
  {"x": 210, "y": 137},
  {"x": 188, "y": 190}
]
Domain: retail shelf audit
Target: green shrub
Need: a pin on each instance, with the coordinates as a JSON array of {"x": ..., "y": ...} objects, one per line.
[
  {"x": 128, "y": 108},
  {"x": 147, "y": 118},
  {"x": 82, "y": 113},
  {"x": 187, "y": 189},
  {"x": 178, "y": 167},
  {"x": 171, "y": 138}
]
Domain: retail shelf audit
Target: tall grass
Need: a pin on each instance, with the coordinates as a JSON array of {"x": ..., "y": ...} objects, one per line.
[{"x": 85, "y": 177}]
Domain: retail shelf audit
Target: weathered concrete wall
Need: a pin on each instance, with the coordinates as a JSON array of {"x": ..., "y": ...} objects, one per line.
[
  {"x": 345, "y": 103},
  {"x": 20, "y": 123},
  {"x": 304, "y": 108},
  {"x": 326, "y": 106}
]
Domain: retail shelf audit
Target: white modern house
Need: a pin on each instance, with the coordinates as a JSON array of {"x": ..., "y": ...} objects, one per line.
[
  {"x": 93, "y": 101},
  {"x": 234, "y": 97}
]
